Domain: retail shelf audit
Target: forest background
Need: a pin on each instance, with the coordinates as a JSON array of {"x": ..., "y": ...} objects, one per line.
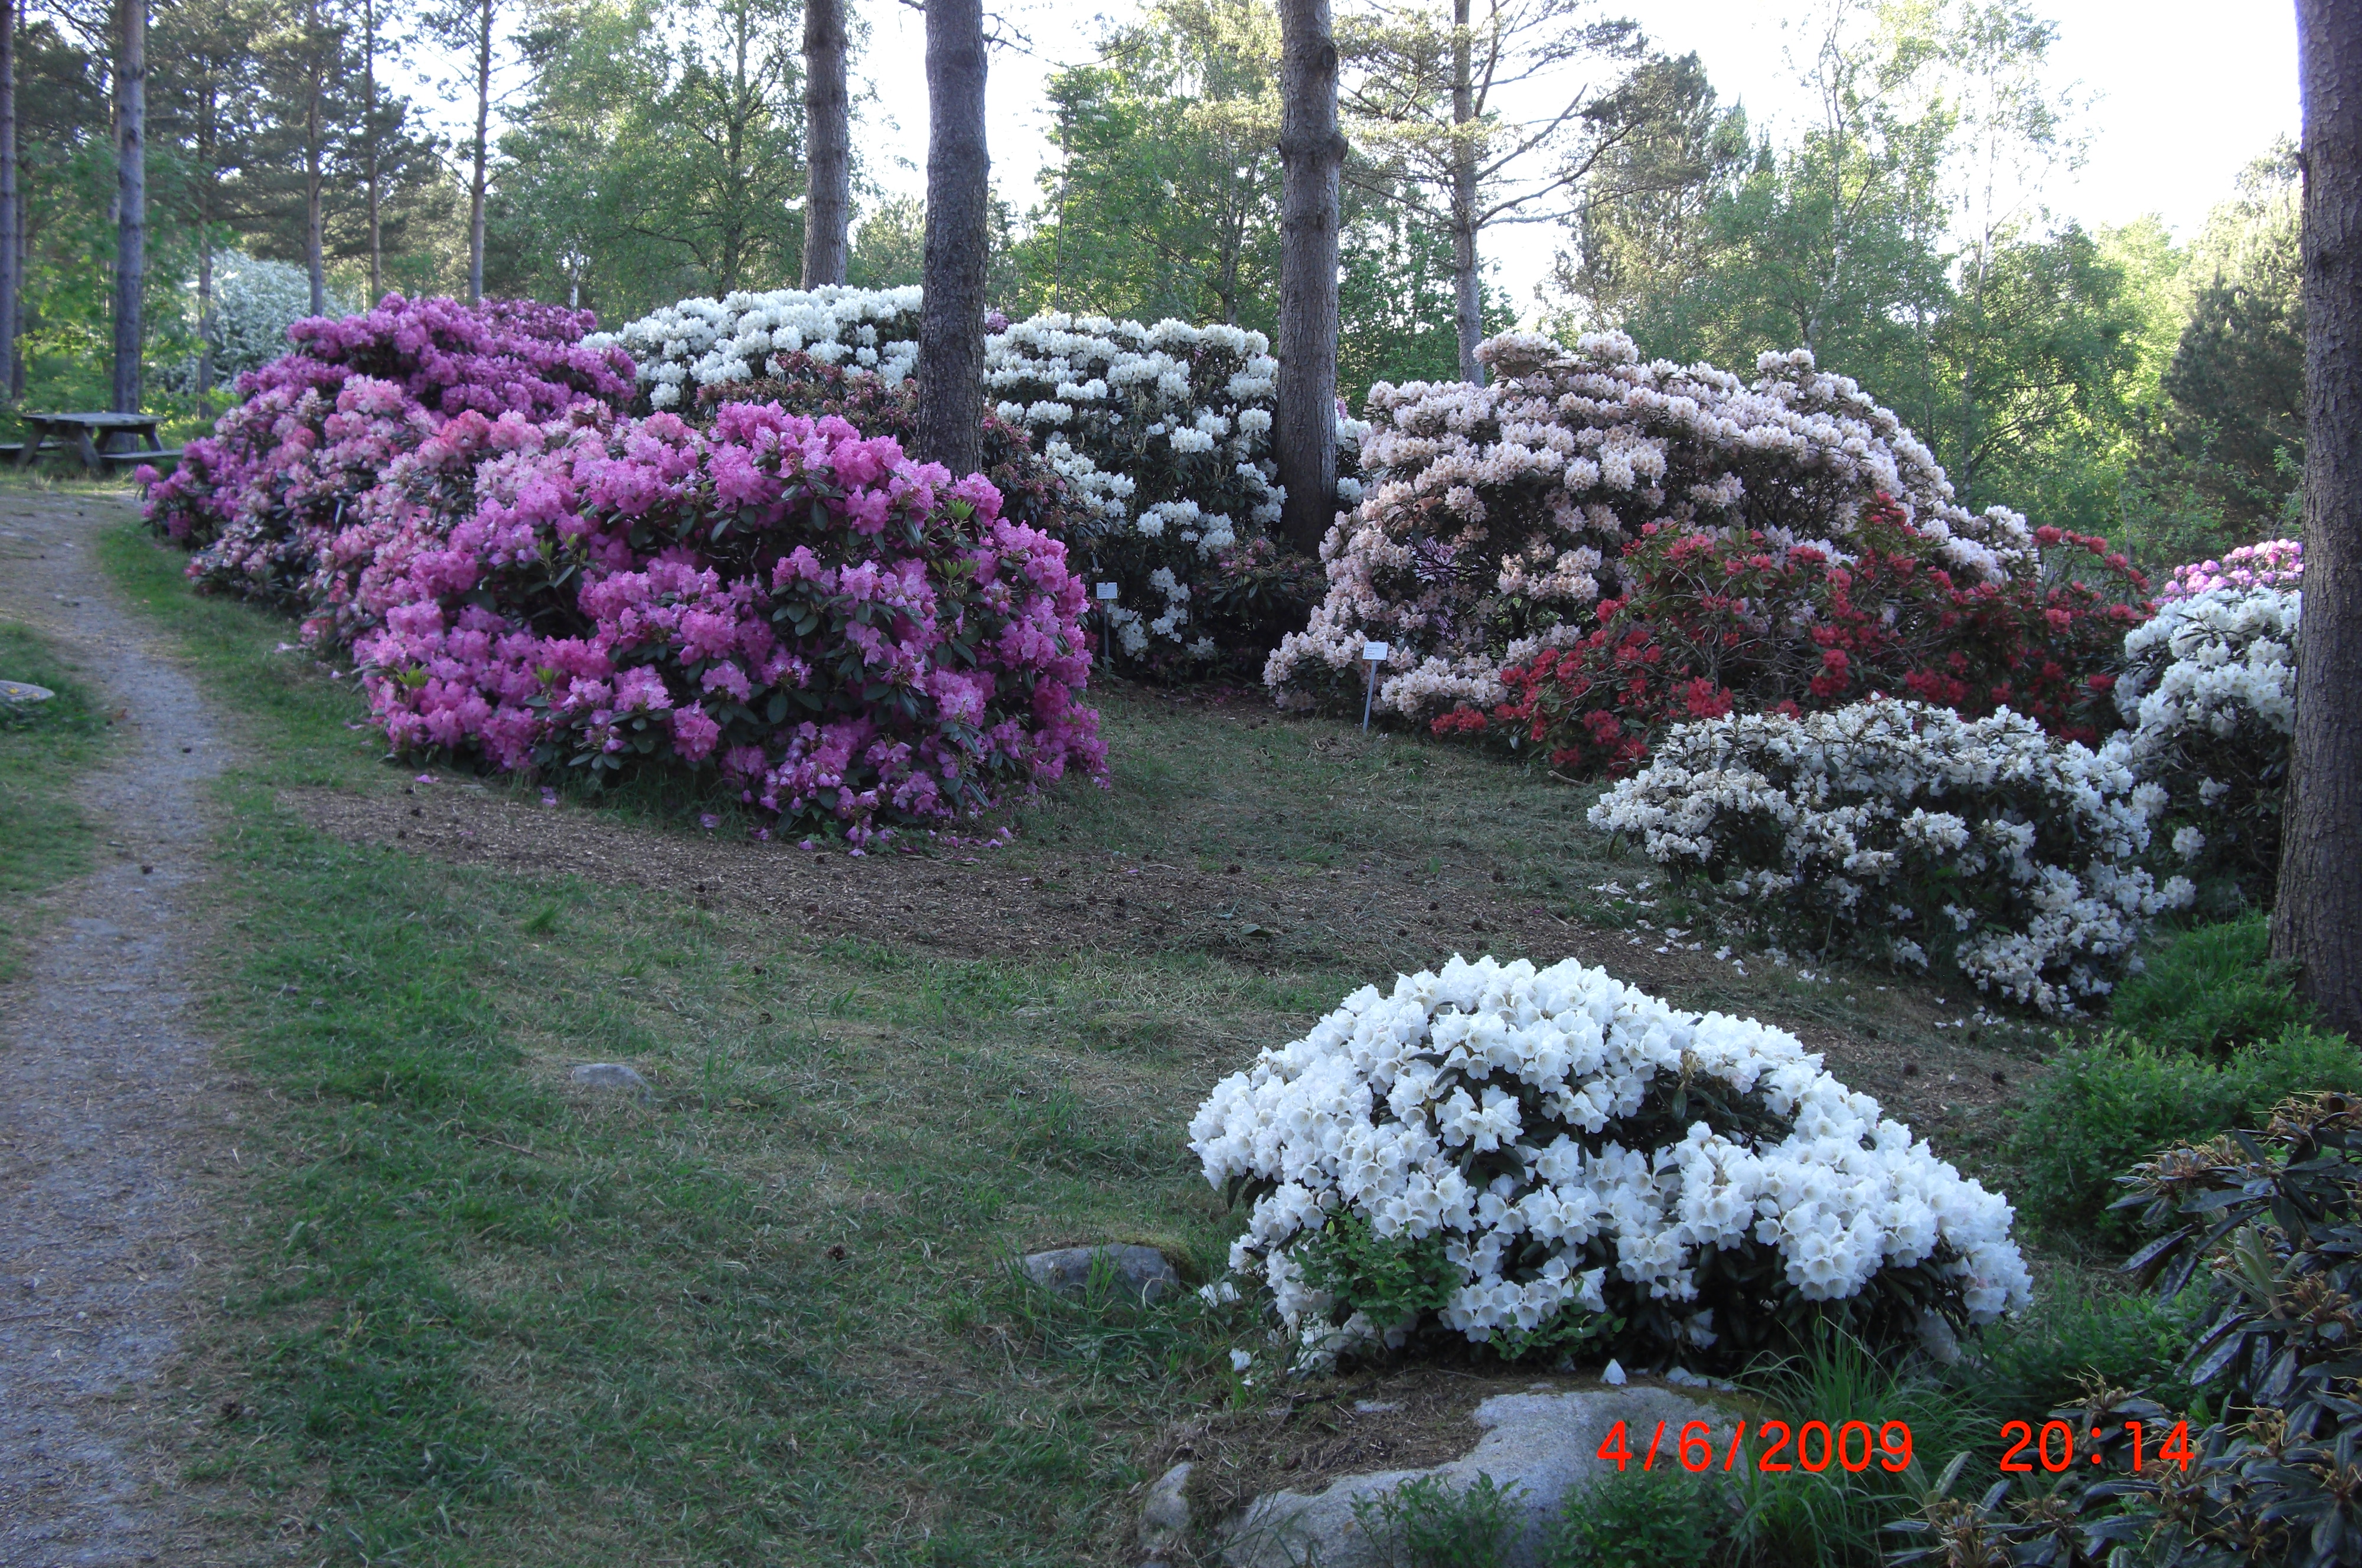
[{"x": 2119, "y": 378}]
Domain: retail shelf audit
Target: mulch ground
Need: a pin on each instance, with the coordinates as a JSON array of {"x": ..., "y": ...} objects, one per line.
[{"x": 1379, "y": 918}]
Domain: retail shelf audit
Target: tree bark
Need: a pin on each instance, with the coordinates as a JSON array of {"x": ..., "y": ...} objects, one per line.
[
  {"x": 959, "y": 171},
  {"x": 315, "y": 237},
  {"x": 1468, "y": 298},
  {"x": 131, "y": 193},
  {"x": 1312, "y": 158},
  {"x": 483, "y": 126},
  {"x": 10, "y": 284},
  {"x": 2317, "y": 922},
  {"x": 369, "y": 144},
  {"x": 828, "y": 145}
]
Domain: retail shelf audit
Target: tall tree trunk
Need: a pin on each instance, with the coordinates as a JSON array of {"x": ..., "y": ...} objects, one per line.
[
  {"x": 131, "y": 193},
  {"x": 315, "y": 237},
  {"x": 959, "y": 173},
  {"x": 2318, "y": 920},
  {"x": 9, "y": 282},
  {"x": 1311, "y": 160},
  {"x": 483, "y": 126},
  {"x": 828, "y": 145},
  {"x": 1467, "y": 294},
  {"x": 369, "y": 146},
  {"x": 208, "y": 172}
]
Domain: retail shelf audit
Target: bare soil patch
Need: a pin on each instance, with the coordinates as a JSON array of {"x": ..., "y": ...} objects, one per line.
[{"x": 1381, "y": 917}]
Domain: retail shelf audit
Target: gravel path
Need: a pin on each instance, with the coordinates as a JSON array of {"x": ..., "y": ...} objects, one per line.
[{"x": 103, "y": 1104}]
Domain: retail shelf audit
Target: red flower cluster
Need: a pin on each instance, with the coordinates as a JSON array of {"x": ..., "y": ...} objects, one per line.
[{"x": 1711, "y": 623}]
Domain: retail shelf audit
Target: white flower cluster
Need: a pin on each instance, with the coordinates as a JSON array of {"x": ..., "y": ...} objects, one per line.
[
  {"x": 1162, "y": 433},
  {"x": 255, "y": 302},
  {"x": 740, "y": 337},
  {"x": 1491, "y": 516},
  {"x": 2209, "y": 698},
  {"x": 1492, "y": 1106},
  {"x": 1901, "y": 828}
]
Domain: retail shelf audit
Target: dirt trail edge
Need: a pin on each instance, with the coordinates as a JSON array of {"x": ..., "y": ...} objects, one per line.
[{"x": 103, "y": 1091}]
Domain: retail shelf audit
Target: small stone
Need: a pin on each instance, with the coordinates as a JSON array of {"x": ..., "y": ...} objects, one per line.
[
  {"x": 1612, "y": 1374},
  {"x": 1139, "y": 1272},
  {"x": 1165, "y": 1516},
  {"x": 1935, "y": 1337},
  {"x": 611, "y": 1075},
  {"x": 23, "y": 694}
]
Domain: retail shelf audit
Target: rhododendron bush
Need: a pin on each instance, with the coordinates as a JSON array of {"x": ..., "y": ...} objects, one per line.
[
  {"x": 1718, "y": 622},
  {"x": 1531, "y": 1159},
  {"x": 2209, "y": 698},
  {"x": 321, "y": 423},
  {"x": 851, "y": 639},
  {"x": 1032, "y": 492},
  {"x": 1496, "y": 518},
  {"x": 1907, "y": 833},
  {"x": 1162, "y": 433},
  {"x": 2275, "y": 563}
]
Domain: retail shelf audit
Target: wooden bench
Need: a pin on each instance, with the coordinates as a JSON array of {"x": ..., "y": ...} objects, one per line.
[{"x": 165, "y": 458}]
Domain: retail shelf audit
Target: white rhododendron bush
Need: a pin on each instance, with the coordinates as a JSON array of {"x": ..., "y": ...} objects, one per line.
[
  {"x": 1160, "y": 433},
  {"x": 1905, "y": 831},
  {"x": 2208, "y": 696},
  {"x": 1535, "y": 1159},
  {"x": 1492, "y": 518}
]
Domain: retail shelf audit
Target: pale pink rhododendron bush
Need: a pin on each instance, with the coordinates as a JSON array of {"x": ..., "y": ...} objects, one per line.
[
  {"x": 847, "y": 635},
  {"x": 1495, "y": 520}
]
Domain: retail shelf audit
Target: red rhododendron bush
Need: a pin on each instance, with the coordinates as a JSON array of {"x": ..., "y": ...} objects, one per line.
[
  {"x": 1690, "y": 542},
  {"x": 851, "y": 639},
  {"x": 319, "y": 428},
  {"x": 1718, "y": 622}
]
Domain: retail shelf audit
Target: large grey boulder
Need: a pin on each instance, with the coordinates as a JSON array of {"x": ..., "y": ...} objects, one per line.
[
  {"x": 1537, "y": 1445},
  {"x": 1140, "y": 1273}
]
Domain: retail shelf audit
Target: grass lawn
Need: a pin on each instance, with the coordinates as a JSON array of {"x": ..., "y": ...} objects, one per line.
[
  {"x": 44, "y": 835},
  {"x": 767, "y": 1313}
]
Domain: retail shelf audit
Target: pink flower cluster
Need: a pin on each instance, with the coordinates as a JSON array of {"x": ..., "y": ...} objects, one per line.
[
  {"x": 850, "y": 637},
  {"x": 2272, "y": 564},
  {"x": 318, "y": 425}
]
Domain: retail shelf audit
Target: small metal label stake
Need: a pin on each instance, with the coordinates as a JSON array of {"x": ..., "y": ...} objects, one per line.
[
  {"x": 1373, "y": 655},
  {"x": 1107, "y": 592}
]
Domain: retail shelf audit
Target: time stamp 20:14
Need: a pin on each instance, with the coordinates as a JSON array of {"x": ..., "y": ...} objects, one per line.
[{"x": 1815, "y": 1446}]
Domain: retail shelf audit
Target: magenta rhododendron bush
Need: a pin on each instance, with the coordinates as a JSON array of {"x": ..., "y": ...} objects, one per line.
[
  {"x": 847, "y": 635},
  {"x": 319, "y": 426}
]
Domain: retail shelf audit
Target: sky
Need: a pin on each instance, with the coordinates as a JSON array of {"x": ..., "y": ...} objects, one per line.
[{"x": 2182, "y": 94}]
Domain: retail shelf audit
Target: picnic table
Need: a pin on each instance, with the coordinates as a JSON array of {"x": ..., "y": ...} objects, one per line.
[{"x": 88, "y": 435}]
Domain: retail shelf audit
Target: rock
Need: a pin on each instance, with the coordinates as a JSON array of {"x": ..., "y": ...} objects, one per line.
[
  {"x": 612, "y": 1075},
  {"x": 1935, "y": 1337},
  {"x": 1165, "y": 1516},
  {"x": 1537, "y": 1446},
  {"x": 1613, "y": 1374},
  {"x": 1138, "y": 1272},
  {"x": 23, "y": 694}
]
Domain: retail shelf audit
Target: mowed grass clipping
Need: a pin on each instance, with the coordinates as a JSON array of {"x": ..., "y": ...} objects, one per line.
[{"x": 46, "y": 834}]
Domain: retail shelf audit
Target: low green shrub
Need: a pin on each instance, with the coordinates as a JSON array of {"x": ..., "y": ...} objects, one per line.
[
  {"x": 2266, "y": 1228},
  {"x": 2080, "y": 1327},
  {"x": 1425, "y": 1524},
  {"x": 2105, "y": 1105},
  {"x": 1659, "y": 1517},
  {"x": 2211, "y": 989}
]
